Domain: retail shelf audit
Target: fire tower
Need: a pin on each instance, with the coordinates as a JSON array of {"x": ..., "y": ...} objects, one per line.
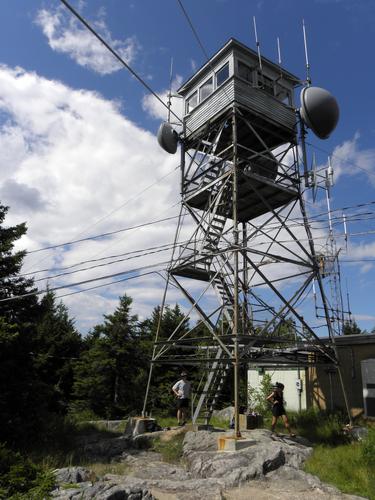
[{"x": 248, "y": 263}]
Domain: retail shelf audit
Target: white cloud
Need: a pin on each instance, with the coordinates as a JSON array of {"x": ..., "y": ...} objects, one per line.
[
  {"x": 156, "y": 109},
  {"x": 75, "y": 175},
  {"x": 66, "y": 35},
  {"x": 349, "y": 159}
]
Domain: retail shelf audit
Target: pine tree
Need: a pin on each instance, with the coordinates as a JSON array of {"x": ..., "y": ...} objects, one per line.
[
  {"x": 108, "y": 374},
  {"x": 22, "y": 310},
  {"x": 160, "y": 397},
  {"x": 58, "y": 346},
  {"x": 22, "y": 396}
]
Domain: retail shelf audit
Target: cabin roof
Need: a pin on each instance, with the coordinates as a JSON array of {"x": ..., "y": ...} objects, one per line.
[{"x": 230, "y": 45}]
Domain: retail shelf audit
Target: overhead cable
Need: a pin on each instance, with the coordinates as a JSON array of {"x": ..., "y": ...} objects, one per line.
[
  {"x": 102, "y": 235},
  {"x": 117, "y": 56},
  {"x": 78, "y": 283}
]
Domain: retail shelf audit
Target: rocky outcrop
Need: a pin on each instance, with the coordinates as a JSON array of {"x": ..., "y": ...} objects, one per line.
[{"x": 269, "y": 468}]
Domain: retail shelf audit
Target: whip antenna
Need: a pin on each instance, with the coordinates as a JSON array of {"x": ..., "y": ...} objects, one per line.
[
  {"x": 308, "y": 78},
  {"x": 257, "y": 43},
  {"x": 169, "y": 103},
  {"x": 278, "y": 51}
]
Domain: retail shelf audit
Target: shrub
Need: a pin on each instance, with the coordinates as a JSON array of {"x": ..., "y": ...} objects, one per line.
[
  {"x": 20, "y": 478},
  {"x": 319, "y": 427},
  {"x": 258, "y": 397}
]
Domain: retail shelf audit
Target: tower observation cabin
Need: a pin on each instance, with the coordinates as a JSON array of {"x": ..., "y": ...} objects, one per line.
[{"x": 260, "y": 139}]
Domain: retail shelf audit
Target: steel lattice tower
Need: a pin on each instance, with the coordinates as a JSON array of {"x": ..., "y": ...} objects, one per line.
[{"x": 247, "y": 263}]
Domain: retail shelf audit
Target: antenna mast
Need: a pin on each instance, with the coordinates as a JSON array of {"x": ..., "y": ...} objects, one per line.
[
  {"x": 257, "y": 44},
  {"x": 308, "y": 78},
  {"x": 169, "y": 103}
]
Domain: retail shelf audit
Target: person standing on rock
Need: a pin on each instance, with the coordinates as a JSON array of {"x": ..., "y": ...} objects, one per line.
[
  {"x": 182, "y": 390},
  {"x": 278, "y": 410}
]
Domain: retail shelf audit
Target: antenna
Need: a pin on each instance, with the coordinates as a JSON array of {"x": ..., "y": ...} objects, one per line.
[
  {"x": 345, "y": 231},
  {"x": 169, "y": 103},
  {"x": 330, "y": 172},
  {"x": 278, "y": 51},
  {"x": 308, "y": 78},
  {"x": 257, "y": 44},
  {"x": 313, "y": 177},
  {"x": 347, "y": 298}
]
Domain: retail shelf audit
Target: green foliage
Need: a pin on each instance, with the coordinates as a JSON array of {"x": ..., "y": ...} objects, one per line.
[
  {"x": 112, "y": 367},
  {"x": 351, "y": 328},
  {"x": 171, "y": 450},
  {"x": 58, "y": 346},
  {"x": 368, "y": 448},
  {"x": 258, "y": 397},
  {"x": 344, "y": 467},
  {"x": 20, "y": 478},
  {"x": 319, "y": 427},
  {"x": 160, "y": 396}
]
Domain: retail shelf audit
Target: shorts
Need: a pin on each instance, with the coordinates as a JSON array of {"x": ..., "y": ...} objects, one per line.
[
  {"x": 182, "y": 403},
  {"x": 278, "y": 410}
]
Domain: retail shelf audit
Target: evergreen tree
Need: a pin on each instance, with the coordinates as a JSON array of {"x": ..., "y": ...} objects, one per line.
[
  {"x": 163, "y": 376},
  {"x": 58, "y": 345},
  {"x": 22, "y": 396},
  {"x": 108, "y": 375},
  {"x": 22, "y": 311},
  {"x": 351, "y": 328}
]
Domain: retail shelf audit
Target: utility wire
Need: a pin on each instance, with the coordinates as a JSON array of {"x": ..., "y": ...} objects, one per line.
[
  {"x": 102, "y": 235},
  {"x": 89, "y": 261},
  {"x": 108, "y": 284},
  {"x": 78, "y": 283},
  {"x": 351, "y": 162},
  {"x": 117, "y": 56},
  {"x": 104, "y": 264},
  {"x": 193, "y": 29}
]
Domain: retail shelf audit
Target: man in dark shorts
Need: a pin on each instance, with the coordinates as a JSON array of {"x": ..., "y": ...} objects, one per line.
[
  {"x": 182, "y": 390},
  {"x": 278, "y": 410}
]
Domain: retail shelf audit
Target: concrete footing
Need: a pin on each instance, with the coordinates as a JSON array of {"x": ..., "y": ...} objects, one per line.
[
  {"x": 201, "y": 427},
  {"x": 140, "y": 425},
  {"x": 231, "y": 443}
]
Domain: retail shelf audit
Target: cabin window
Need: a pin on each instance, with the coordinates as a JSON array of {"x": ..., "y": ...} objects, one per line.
[
  {"x": 191, "y": 102},
  {"x": 222, "y": 75},
  {"x": 245, "y": 72},
  {"x": 284, "y": 95},
  {"x": 206, "y": 89},
  {"x": 266, "y": 83}
]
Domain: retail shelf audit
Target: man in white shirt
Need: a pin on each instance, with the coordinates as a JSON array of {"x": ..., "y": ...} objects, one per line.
[{"x": 182, "y": 390}]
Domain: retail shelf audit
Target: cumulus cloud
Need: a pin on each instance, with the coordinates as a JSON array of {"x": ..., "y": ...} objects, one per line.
[
  {"x": 75, "y": 176},
  {"x": 66, "y": 35},
  {"x": 349, "y": 159},
  {"x": 156, "y": 109}
]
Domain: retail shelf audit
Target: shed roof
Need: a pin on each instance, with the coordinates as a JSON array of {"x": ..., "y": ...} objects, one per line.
[
  {"x": 361, "y": 338},
  {"x": 230, "y": 45}
]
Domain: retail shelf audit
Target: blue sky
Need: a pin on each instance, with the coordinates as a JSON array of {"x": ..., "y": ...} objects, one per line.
[{"x": 77, "y": 133}]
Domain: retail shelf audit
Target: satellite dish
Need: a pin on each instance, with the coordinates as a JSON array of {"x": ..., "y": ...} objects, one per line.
[
  {"x": 167, "y": 138},
  {"x": 266, "y": 166},
  {"x": 319, "y": 110}
]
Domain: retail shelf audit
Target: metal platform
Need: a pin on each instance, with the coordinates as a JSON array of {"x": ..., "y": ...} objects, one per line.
[{"x": 253, "y": 190}]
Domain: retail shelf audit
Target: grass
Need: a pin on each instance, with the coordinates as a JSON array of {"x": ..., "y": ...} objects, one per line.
[
  {"x": 101, "y": 469},
  {"x": 171, "y": 450},
  {"x": 343, "y": 466}
]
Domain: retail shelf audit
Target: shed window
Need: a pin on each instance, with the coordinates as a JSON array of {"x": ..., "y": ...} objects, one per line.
[
  {"x": 206, "y": 89},
  {"x": 245, "y": 72},
  {"x": 191, "y": 102},
  {"x": 222, "y": 75}
]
